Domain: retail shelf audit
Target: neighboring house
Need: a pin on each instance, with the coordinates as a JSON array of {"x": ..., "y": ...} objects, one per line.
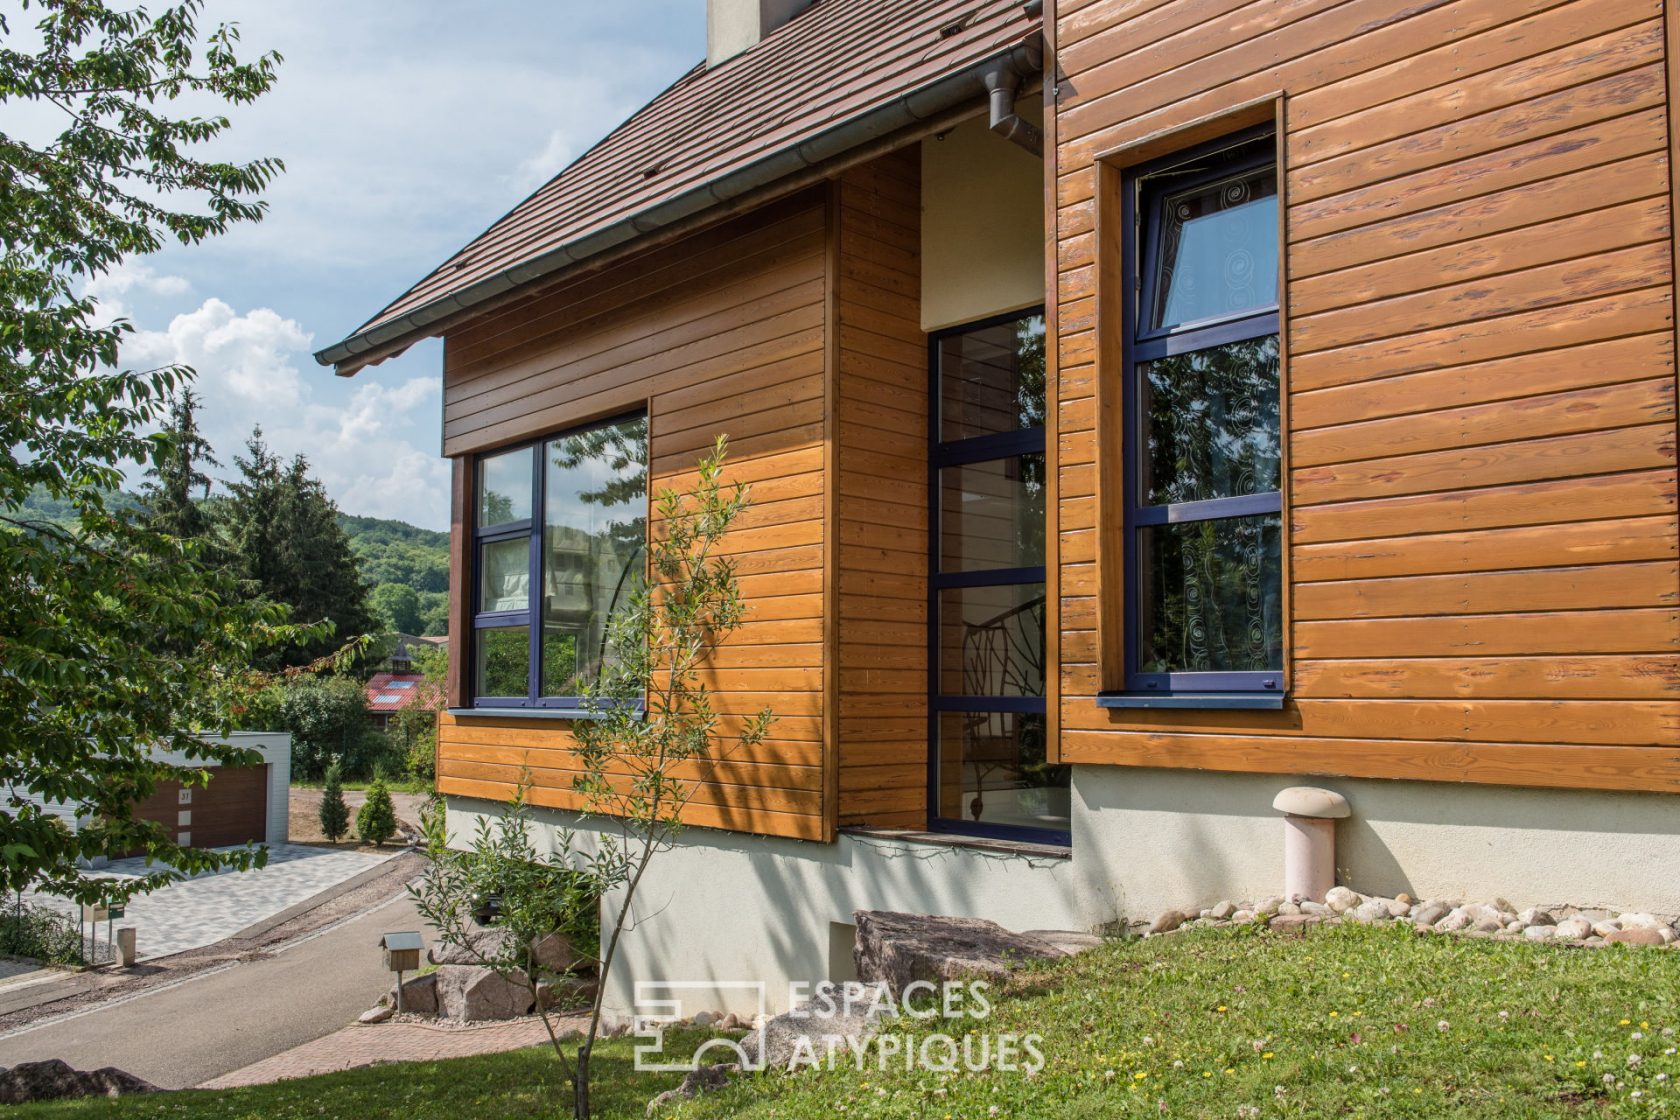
[
  {"x": 405, "y": 648},
  {"x": 238, "y": 805},
  {"x": 1305, "y": 412},
  {"x": 390, "y": 693}
]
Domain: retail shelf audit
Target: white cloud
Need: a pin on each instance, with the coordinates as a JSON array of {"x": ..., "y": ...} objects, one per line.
[
  {"x": 250, "y": 356},
  {"x": 367, "y": 451},
  {"x": 132, "y": 277}
]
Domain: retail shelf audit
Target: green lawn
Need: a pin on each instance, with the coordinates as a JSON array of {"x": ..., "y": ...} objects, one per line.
[{"x": 1346, "y": 1021}]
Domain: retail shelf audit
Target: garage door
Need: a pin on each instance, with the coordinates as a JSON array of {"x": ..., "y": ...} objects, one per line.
[{"x": 232, "y": 809}]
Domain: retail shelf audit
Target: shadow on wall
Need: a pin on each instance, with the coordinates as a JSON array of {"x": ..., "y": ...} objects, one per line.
[{"x": 1172, "y": 838}]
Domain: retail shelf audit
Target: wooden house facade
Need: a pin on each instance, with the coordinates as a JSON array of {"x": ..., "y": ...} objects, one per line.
[{"x": 1145, "y": 403}]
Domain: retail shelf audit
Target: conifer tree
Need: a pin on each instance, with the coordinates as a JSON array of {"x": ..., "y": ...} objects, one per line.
[
  {"x": 284, "y": 533},
  {"x": 335, "y": 815},
  {"x": 376, "y": 820}
]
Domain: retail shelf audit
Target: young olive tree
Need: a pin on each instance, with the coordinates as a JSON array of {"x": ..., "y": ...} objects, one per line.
[
  {"x": 527, "y": 895},
  {"x": 649, "y": 743},
  {"x": 655, "y": 735}
]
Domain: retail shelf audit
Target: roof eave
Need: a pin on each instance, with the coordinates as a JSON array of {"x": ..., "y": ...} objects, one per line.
[{"x": 392, "y": 337}]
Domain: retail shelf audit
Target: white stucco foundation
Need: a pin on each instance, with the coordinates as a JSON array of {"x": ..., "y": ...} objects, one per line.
[
  {"x": 725, "y": 907},
  {"x": 1163, "y": 838}
]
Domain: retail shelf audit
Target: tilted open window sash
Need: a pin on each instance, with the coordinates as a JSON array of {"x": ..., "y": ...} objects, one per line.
[{"x": 1203, "y": 471}]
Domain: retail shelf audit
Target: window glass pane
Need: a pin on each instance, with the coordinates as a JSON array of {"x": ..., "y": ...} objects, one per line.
[
  {"x": 504, "y": 575},
  {"x": 991, "y": 514},
  {"x": 992, "y": 769},
  {"x": 502, "y": 662},
  {"x": 504, "y": 487},
  {"x": 1211, "y": 596},
  {"x": 594, "y": 531},
  {"x": 991, "y": 641},
  {"x": 1217, "y": 251},
  {"x": 992, "y": 379},
  {"x": 1211, "y": 418}
]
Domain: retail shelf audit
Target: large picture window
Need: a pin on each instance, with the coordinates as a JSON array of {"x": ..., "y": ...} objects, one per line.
[
  {"x": 559, "y": 535},
  {"x": 991, "y": 773},
  {"x": 1203, "y": 474}
]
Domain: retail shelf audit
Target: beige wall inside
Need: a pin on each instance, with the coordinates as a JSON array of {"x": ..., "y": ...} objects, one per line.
[{"x": 982, "y": 223}]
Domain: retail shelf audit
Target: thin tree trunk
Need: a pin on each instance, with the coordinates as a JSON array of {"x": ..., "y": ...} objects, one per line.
[{"x": 580, "y": 1085}]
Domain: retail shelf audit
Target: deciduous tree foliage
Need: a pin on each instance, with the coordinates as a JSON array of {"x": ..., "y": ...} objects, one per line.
[{"x": 114, "y": 637}]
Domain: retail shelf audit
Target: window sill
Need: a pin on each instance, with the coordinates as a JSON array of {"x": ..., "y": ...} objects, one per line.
[
  {"x": 1207, "y": 701},
  {"x": 529, "y": 713}
]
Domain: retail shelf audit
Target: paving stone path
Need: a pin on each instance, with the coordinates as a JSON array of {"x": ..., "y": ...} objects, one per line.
[
  {"x": 209, "y": 907},
  {"x": 358, "y": 1046}
]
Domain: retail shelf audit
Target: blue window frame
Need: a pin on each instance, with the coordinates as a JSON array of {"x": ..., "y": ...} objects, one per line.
[
  {"x": 988, "y": 770},
  {"x": 1203, "y": 477},
  {"x": 559, "y": 542}
]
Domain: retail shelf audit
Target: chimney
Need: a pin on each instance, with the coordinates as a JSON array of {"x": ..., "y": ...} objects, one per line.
[{"x": 734, "y": 25}]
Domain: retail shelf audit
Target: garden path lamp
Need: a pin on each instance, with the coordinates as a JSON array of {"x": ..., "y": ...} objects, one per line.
[{"x": 402, "y": 954}]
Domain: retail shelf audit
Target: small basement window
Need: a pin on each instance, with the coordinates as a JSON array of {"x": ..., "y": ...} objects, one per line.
[
  {"x": 1203, "y": 509},
  {"x": 559, "y": 538}
]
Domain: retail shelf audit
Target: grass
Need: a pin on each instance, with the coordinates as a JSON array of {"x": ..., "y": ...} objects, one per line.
[
  {"x": 524, "y": 1083},
  {"x": 1345, "y": 1021},
  {"x": 405, "y": 784}
]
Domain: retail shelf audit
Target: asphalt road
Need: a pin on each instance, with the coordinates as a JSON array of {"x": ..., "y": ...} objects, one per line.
[{"x": 179, "y": 1036}]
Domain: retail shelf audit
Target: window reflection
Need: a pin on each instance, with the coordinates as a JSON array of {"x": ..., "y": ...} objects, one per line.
[
  {"x": 504, "y": 487},
  {"x": 1212, "y": 420},
  {"x": 992, "y": 379},
  {"x": 991, "y": 514},
  {"x": 594, "y": 526},
  {"x": 994, "y": 770}
]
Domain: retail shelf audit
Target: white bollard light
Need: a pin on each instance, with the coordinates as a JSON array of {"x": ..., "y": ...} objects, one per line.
[{"x": 1309, "y": 839}]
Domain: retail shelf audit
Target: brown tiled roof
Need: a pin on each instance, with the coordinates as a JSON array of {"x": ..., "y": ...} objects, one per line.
[{"x": 831, "y": 65}]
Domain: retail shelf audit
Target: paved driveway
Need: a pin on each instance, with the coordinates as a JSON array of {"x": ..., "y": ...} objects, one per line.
[
  {"x": 213, "y": 906},
  {"x": 212, "y": 1023}
]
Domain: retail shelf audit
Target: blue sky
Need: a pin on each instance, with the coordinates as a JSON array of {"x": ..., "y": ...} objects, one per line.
[{"x": 407, "y": 126}]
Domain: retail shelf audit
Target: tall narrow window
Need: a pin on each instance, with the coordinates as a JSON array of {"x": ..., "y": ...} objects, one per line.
[
  {"x": 1203, "y": 505},
  {"x": 560, "y": 528},
  {"x": 990, "y": 774}
]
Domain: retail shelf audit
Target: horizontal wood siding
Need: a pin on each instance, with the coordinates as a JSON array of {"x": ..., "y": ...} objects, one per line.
[
  {"x": 883, "y": 546},
  {"x": 1480, "y": 385},
  {"x": 722, "y": 332}
]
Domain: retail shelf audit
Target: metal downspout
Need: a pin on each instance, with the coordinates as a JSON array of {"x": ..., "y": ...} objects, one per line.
[{"x": 1003, "y": 85}]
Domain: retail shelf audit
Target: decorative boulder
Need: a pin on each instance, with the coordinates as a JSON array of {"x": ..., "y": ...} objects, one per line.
[
  {"x": 471, "y": 994},
  {"x": 554, "y": 953},
  {"x": 702, "y": 1079},
  {"x": 419, "y": 995},
  {"x": 55, "y": 1080},
  {"x": 482, "y": 944},
  {"x": 568, "y": 993},
  {"x": 898, "y": 949},
  {"x": 809, "y": 1032}
]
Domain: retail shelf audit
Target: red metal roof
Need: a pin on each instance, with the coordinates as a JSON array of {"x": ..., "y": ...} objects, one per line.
[
  {"x": 833, "y": 63},
  {"x": 392, "y": 692}
]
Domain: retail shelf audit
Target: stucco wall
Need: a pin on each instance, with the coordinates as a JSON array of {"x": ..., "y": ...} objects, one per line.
[
  {"x": 982, "y": 224},
  {"x": 1160, "y": 838},
  {"x": 725, "y": 907}
]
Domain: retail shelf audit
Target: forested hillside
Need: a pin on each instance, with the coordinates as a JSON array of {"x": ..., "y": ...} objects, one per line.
[{"x": 407, "y": 567}]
